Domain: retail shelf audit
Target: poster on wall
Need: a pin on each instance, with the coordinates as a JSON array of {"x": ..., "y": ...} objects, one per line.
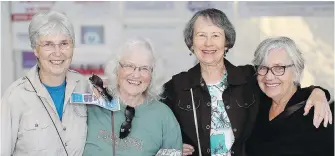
[
  {"x": 286, "y": 8},
  {"x": 150, "y": 9},
  {"x": 28, "y": 59},
  {"x": 189, "y": 8},
  {"x": 92, "y": 35},
  {"x": 24, "y": 10}
]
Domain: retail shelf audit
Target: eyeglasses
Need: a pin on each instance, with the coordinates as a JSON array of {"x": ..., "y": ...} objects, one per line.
[
  {"x": 49, "y": 46},
  {"x": 126, "y": 125},
  {"x": 129, "y": 68},
  {"x": 276, "y": 70}
]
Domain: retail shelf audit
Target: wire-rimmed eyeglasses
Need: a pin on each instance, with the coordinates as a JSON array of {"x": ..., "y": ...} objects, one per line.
[
  {"x": 50, "y": 46},
  {"x": 129, "y": 68}
]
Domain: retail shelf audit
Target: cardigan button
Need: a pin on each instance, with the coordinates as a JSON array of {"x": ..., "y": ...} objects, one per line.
[
  {"x": 208, "y": 150},
  {"x": 208, "y": 127}
]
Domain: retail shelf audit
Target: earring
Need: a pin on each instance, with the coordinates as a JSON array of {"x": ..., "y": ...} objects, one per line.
[
  {"x": 225, "y": 51},
  {"x": 191, "y": 49}
]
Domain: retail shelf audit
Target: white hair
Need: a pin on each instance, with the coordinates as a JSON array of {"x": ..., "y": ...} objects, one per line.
[
  {"x": 135, "y": 45},
  {"x": 295, "y": 56},
  {"x": 49, "y": 23}
]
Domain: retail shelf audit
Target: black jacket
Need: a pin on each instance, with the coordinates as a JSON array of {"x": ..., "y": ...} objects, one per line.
[
  {"x": 241, "y": 100},
  {"x": 290, "y": 134}
]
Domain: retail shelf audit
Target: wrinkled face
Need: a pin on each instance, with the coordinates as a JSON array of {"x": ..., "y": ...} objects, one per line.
[
  {"x": 134, "y": 73},
  {"x": 208, "y": 42},
  {"x": 55, "y": 53},
  {"x": 276, "y": 86}
]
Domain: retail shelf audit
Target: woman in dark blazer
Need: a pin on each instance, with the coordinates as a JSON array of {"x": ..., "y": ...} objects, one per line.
[
  {"x": 281, "y": 129},
  {"x": 215, "y": 102}
]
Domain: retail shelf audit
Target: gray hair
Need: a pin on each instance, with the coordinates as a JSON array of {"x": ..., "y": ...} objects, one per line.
[
  {"x": 219, "y": 19},
  {"x": 296, "y": 58},
  {"x": 48, "y": 23},
  {"x": 135, "y": 45}
]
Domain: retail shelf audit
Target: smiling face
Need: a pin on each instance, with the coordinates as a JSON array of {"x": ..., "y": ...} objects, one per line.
[
  {"x": 276, "y": 87},
  {"x": 208, "y": 42},
  {"x": 134, "y": 73},
  {"x": 54, "y": 53}
]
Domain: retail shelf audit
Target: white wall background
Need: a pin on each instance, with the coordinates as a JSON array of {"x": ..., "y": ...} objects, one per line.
[{"x": 310, "y": 24}]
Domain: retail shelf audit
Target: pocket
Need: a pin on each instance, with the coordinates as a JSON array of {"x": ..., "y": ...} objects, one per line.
[
  {"x": 36, "y": 131},
  {"x": 246, "y": 103},
  {"x": 187, "y": 106}
]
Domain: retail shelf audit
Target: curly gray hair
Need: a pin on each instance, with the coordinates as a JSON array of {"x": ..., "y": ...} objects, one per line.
[{"x": 135, "y": 45}]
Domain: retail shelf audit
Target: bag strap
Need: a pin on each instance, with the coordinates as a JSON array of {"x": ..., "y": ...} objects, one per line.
[
  {"x": 113, "y": 133},
  {"x": 290, "y": 110},
  {"x": 60, "y": 138},
  {"x": 196, "y": 122}
]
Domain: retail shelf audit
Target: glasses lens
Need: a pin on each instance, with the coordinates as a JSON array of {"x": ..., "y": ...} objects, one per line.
[
  {"x": 278, "y": 70},
  {"x": 64, "y": 45},
  {"x": 262, "y": 70}
]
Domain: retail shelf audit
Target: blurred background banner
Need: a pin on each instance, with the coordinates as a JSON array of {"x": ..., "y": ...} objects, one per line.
[{"x": 101, "y": 26}]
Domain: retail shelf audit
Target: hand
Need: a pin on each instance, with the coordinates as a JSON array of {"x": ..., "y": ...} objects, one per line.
[
  {"x": 322, "y": 110},
  {"x": 96, "y": 93},
  {"x": 187, "y": 149}
]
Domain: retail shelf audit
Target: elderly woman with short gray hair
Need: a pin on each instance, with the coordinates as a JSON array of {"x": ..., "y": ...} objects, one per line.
[
  {"x": 144, "y": 125},
  {"x": 37, "y": 116},
  {"x": 215, "y": 102},
  {"x": 281, "y": 129}
]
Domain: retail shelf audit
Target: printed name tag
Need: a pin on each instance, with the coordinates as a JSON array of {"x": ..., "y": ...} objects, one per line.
[{"x": 87, "y": 98}]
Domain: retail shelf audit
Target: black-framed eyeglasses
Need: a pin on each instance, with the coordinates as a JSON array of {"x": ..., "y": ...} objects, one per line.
[
  {"x": 126, "y": 125},
  {"x": 276, "y": 70},
  {"x": 129, "y": 68}
]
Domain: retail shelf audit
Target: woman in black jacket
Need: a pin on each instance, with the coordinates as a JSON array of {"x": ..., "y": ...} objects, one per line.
[
  {"x": 215, "y": 102},
  {"x": 281, "y": 129}
]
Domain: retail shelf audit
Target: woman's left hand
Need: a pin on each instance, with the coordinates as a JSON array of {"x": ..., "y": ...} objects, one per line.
[{"x": 322, "y": 110}]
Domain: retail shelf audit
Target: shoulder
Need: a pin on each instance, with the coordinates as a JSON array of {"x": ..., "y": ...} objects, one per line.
[
  {"x": 247, "y": 69},
  {"x": 184, "y": 79},
  {"x": 161, "y": 108},
  {"x": 16, "y": 86},
  {"x": 76, "y": 75},
  {"x": 94, "y": 111},
  {"x": 181, "y": 77},
  {"x": 15, "y": 90}
]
